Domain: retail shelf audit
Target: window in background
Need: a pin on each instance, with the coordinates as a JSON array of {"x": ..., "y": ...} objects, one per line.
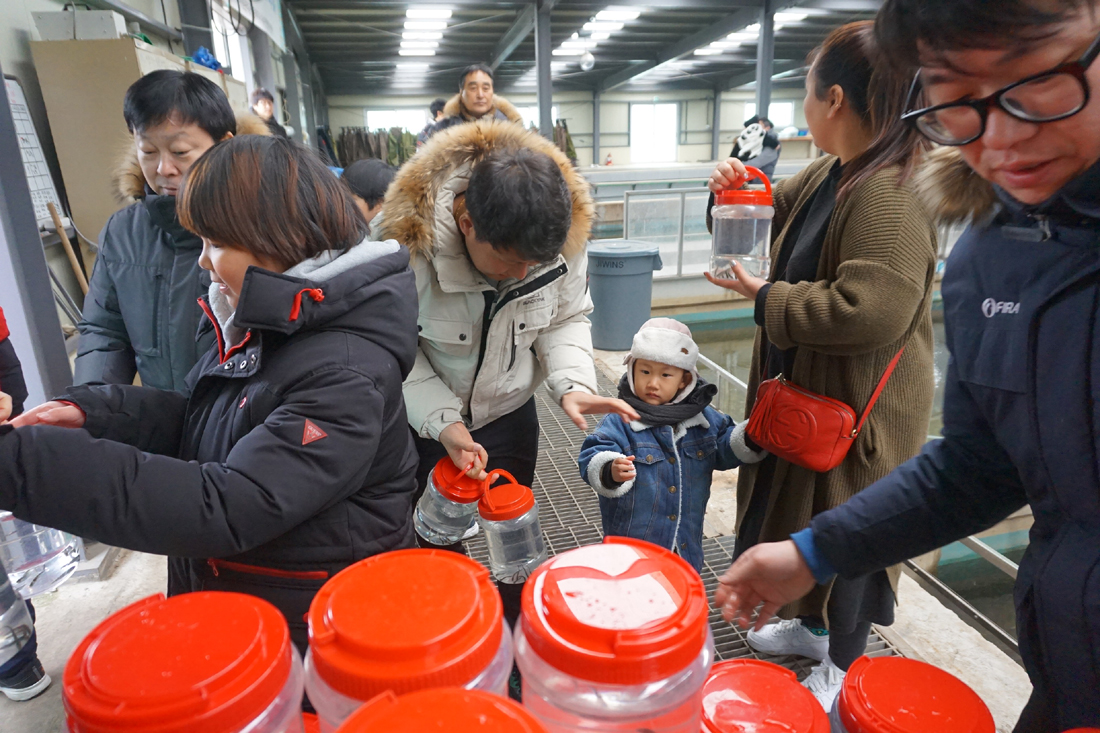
[
  {"x": 653, "y": 133},
  {"x": 780, "y": 113},
  {"x": 412, "y": 120},
  {"x": 530, "y": 114}
]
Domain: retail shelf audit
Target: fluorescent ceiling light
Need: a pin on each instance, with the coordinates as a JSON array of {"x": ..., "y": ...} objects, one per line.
[
  {"x": 420, "y": 44},
  {"x": 416, "y": 52},
  {"x": 725, "y": 44},
  {"x": 408, "y": 67},
  {"x": 617, "y": 14},
  {"x": 599, "y": 36},
  {"x": 422, "y": 35},
  {"x": 568, "y": 52},
  {"x": 709, "y": 51},
  {"x": 428, "y": 13},
  {"x": 790, "y": 17},
  {"x": 581, "y": 43},
  {"x": 593, "y": 25},
  {"x": 425, "y": 25}
]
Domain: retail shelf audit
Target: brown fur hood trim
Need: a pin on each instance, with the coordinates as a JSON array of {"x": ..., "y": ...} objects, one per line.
[
  {"x": 409, "y": 209},
  {"x": 951, "y": 190},
  {"x": 127, "y": 178},
  {"x": 454, "y": 108}
]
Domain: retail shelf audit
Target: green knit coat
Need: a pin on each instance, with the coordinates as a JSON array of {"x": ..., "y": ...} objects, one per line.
[{"x": 873, "y": 295}]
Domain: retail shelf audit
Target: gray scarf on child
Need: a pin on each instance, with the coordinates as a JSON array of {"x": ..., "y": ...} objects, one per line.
[{"x": 671, "y": 413}]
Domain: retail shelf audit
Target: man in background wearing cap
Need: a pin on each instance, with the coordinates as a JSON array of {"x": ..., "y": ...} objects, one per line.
[{"x": 653, "y": 475}]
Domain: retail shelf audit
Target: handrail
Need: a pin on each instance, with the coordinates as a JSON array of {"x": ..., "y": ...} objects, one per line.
[
  {"x": 682, "y": 193},
  {"x": 994, "y": 558}
]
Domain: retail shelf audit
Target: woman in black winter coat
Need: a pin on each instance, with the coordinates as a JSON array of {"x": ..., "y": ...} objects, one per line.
[{"x": 291, "y": 457}]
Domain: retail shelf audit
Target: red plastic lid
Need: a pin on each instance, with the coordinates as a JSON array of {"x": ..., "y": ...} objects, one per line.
[
  {"x": 506, "y": 501},
  {"x": 453, "y": 483},
  {"x": 898, "y": 695},
  {"x": 747, "y": 694},
  {"x": 199, "y": 661},
  {"x": 747, "y": 197},
  {"x": 624, "y": 612},
  {"x": 442, "y": 709},
  {"x": 311, "y": 722},
  {"x": 404, "y": 621}
]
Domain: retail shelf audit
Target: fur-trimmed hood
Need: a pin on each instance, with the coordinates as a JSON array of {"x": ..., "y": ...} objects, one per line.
[
  {"x": 409, "y": 211},
  {"x": 128, "y": 180},
  {"x": 455, "y": 108},
  {"x": 951, "y": 190}
]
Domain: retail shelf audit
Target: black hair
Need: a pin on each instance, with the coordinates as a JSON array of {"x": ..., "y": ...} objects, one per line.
[
  {"x": 906, "y": 29},
  {"x": 190, "y": 98},
  {"x": 474, "y": 68},
  {"x": 261, "y": 93},
  {"x": 437, "y": 106},
  {"x": 518, "y": 200},
  {"x": 368, "y": 179}
]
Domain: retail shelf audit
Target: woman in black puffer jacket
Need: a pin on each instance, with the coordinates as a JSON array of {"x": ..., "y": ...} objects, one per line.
[{"x": 291, "y": 458}]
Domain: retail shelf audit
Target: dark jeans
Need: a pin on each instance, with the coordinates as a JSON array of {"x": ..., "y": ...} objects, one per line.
[
  {"x": 512, "y": 442},
  {"x": 25, "y": 656}
]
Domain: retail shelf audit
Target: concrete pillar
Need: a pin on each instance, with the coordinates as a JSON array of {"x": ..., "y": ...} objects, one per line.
[
  {"x": 765, "y": 57},
  {"x": 542, "y": 64},
  {"x": 716, "y": 125},
  {"x": 293, "y": 100},
  {"x": 596, "y": 127}
]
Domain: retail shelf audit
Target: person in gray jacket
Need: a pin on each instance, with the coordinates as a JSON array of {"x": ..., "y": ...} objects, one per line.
[{"x": 141, "y": 314}]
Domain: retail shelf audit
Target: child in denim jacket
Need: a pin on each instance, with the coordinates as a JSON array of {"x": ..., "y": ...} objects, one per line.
[{"x": 653, "y": 475}]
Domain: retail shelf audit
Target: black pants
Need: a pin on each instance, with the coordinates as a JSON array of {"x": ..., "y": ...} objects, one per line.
[{"x": 512, "y": 442}]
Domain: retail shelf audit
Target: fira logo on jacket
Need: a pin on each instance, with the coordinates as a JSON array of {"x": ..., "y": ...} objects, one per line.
[{"x": 991, "y": 307}]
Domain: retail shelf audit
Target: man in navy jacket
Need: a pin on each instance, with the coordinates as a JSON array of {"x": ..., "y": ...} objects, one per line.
[{"x": 1010, "y": 89}]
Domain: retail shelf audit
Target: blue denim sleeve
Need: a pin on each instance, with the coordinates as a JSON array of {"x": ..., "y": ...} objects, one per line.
[{"x": 819, "y": 565}]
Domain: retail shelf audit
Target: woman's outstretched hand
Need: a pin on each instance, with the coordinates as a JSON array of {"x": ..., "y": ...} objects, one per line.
[
  {"x": 772, "y": 574},
  {"x": 58, "y": 414},
  {"x": 576, "y": 404},
  {"x": 728, "y": 174},
  {"x": 745, "y": 284}
]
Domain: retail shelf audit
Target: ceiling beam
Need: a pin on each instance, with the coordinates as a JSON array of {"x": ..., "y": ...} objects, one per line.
[
  {"x": 525, "y": 23},
  {"x": 748, "y": 77},
  {"x": 844, "y": 6},
  {"x": 717, "y": 30}
]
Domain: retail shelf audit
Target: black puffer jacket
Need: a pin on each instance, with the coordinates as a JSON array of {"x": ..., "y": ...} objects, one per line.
[{"x": 291, "y": 459}]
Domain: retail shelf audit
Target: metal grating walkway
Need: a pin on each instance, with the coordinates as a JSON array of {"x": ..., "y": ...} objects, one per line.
[{"x": 570, "y": 517}]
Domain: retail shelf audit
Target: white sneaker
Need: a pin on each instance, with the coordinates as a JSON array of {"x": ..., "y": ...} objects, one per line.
[
  {"x": 790, "y": 637},
  {"x": 824, "y": 682}
]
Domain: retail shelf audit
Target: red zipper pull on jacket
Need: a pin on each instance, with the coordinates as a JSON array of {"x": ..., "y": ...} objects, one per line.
[
  {"x": 316, "y": 293},
  {"x": 213, "y": 566}
]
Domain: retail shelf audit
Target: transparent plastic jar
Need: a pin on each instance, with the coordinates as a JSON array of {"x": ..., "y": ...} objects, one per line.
[
  {"x": 449, "y": 709},
  {"x": 750, "y": 695},
  {"x": 404, "y": 621},
  {"x": 742, "y": 229},
  {"x": 509, "y": 516},
  {"x": 899, "y": 695},
  {"x": 38, "y": 559},
  {"x": 448, "y": 507},
  {"x": 614, "y": 638},
  {"x": 208, "y": 661},
  {"x": 16, "y": 625}
]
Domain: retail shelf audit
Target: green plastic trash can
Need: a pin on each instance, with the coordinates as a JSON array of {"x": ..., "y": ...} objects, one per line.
[{"x": 620, "y": 279}]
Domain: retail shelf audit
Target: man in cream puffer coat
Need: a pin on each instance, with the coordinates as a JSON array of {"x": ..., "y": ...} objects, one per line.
[{"x": 501, "y": 273}]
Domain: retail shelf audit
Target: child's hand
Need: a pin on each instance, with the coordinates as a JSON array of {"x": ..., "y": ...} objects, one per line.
[
  {"x": 622, "y": 469},
  {"x": 5, "y": 407}
]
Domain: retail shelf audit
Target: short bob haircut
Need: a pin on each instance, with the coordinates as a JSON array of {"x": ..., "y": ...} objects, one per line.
[
  {"x": 272, "y": 197},
  {"x": 180, "y": 96},
  {"x": 518, "y": 200}
]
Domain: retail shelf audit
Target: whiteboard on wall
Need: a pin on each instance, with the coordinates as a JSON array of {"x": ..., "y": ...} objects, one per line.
[{"x": 43, "y": 190}]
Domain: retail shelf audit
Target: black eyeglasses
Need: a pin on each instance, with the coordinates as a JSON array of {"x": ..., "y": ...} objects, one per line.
[{"x": 1048, "y": 96}]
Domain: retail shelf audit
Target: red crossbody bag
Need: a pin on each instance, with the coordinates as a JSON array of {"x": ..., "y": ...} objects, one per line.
[{"x": 805, "y": 428}]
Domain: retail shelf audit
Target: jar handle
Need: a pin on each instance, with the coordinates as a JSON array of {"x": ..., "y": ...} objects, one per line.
[
  {"x": 757, "y": 173},
  {"x": 493, "y": 476}
]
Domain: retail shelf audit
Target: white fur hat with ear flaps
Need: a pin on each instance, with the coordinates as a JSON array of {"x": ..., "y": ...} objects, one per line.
[{"x": 665, "y": 341}]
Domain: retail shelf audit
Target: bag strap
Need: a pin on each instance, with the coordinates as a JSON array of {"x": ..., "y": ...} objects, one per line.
[{"x": 878, "y": 392}]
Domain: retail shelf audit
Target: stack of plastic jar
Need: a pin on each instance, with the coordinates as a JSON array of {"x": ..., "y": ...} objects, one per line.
[
  {"x": 210, "y": 662},
  {"x": 898, "y": 695},
  {"x": 449, "y": 709},
  {"x": 38, "y": 559},
  {"x": 614, "y": 637},
  {"x": 510, "y": 520},
  {"x": 404, "y": 621},
  {"x": 448, "y": 508},
  {"x": 750, "y": 695},
  {"x": 16, "y": 626},
  {"x": 742, "y": 229}
]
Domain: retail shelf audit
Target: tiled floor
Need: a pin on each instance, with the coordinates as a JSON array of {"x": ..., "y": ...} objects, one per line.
[{"x": 570, "y": 517}]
